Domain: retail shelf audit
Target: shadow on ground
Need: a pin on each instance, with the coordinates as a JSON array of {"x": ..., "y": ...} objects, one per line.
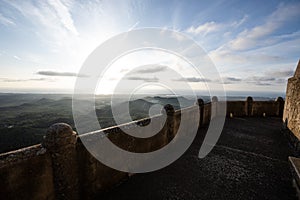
[{"x": 248, "y": 162}]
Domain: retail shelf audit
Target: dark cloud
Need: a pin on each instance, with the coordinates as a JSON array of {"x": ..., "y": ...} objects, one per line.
[
  {"x": 24, "y": 80},
  {"x": 146, "y": 79},
  {"x": 281, "y": 81},
  {"x": 256, "y": 80},
  {"x": 263, "y": 84},
  {"x": 233, "y": 79},
  {"x": 193, "y": 79},
  {"x": 281, "y": 73},
  {"x": 265, "y": 80},
  {"x": 55, "y": 73},
  {"x": 151, "y": 69},
  {"x": 277, "y": 77},
  {"x": 260, "y": 78}
]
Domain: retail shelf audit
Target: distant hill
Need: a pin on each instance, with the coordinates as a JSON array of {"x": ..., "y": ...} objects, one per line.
[
  {"x": 26, "y": 124},
  {"x": 11, "y": 99},
  {"x": 25, "y": 118},
  {"x": 174, "y": 101}
]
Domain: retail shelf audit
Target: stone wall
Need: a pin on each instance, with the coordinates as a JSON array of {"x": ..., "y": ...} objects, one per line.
[
  {"x": 291, "y": 115},
  {"x": 61, "y": 167},
  {"x": 252, "y": 108},
  {"x": 26, "y": 174},
  {"x": 237, "y": 108}
]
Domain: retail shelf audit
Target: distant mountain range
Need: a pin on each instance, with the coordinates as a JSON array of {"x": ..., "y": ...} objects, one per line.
[{"x": 24, "y": 118}]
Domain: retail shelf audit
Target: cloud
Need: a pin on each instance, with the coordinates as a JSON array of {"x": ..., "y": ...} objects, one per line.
[
  {"x": 51, "y": 21},
  {"x": 146, "y": 79},
  {"x": 254, "y": 37},
  {"x": 134, "y": 26},
  {"x": 293, "y": 35},
  {"x": 212, "y": 26},
  {"x": 55, "y": 73},
  {"x": 17, "y": 57},
  {"x": 236, "y": 24},
  {"x": 51, "y": 14},
  {"x": 6, "y": 21},
  {"x": 254, "y": 57},
  {"x": 281, "y": 81},
  {"x": 151, "y": 69},
  {"x": 64, "y": 15},
  {"x": 281, "y": 73},
  {"x": 25, "y": 80},
  {"x": 193, "y": 79},
  {"x": 261, "y": 78},
  {"x": 263, "y": 84},
  {"x": 231, "y": 80},
  {"x": 204, "y": 29},
  {"x": 178, "y": 37},
  {"x": 265, "y": 80}
]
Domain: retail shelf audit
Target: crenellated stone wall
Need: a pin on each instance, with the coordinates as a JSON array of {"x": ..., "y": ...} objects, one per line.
[
  {"x": 252, "y": 108},
  {"x": 61, "y": 167}
]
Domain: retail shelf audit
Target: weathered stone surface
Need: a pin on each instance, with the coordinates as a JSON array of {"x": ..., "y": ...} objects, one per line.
[
  {"x": 295, "y": 169},
  {"x": 249, "y": 104},
  {"x": 297, "y": 72},
  {"x": 214, "y": 99},
  {"x": 207, "y": 113},
  {"x": 169, "y": 109},
  {"x": 214, "y": 107},
  {"x": 60, "y": 141},
  {"x": 95, "y": 176},
  {"x": 20, "y": 155},
  {"x": 280, "y": 101},
  {"x": 291, "y": 115},
  {"x": 200, "y": 103},
  {"x": 26, "y": 174},
  {"x": 266, "y": 108},
  {"x": 237, "y": 108}
]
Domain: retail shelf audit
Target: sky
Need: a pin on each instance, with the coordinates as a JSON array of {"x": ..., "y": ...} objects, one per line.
[{"x": 254, "y": 45}]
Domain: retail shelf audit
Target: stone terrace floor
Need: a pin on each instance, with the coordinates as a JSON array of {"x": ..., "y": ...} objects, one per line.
[{"x": 250, "y": 161}]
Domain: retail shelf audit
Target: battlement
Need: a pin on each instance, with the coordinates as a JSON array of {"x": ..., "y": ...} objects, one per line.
[{"x": 62, "y": 168}]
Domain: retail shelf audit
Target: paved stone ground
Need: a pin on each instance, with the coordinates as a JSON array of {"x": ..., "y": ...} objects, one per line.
[{"x": 249, "y": 162}]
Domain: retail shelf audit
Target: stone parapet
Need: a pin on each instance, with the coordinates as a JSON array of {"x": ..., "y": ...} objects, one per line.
[{"x": 61, "y": 167}]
